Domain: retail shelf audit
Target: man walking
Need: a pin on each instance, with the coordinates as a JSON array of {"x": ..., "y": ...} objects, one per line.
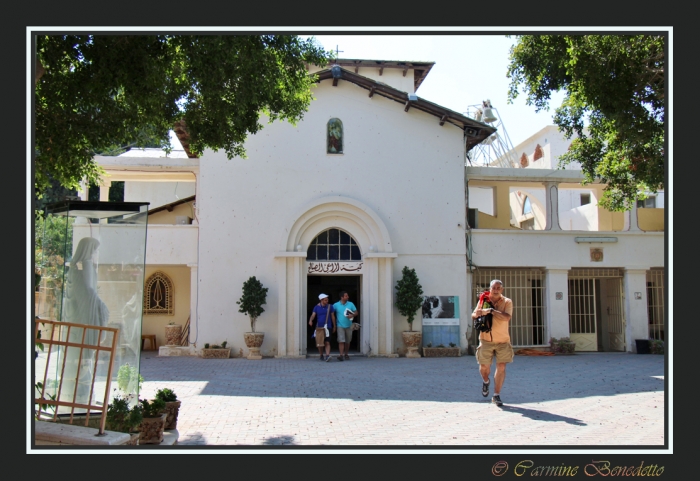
[
  {"x": 495, "y": 343},
  {"x": 326, "y": 320},
  {"x": 345, "y": 312}
]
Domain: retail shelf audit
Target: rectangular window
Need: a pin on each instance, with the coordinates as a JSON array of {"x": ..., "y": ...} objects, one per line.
[
  {"x": 648, "y": 203},
  {"x": 585, "y": 199}
]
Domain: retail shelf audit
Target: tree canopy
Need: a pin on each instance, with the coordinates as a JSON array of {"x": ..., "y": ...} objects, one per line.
[
  {"x": 105, "y": 93},
  {"x": 616, "y": 85}
]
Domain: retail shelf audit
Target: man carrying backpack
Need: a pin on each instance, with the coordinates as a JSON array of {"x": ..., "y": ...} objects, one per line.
[{"x": 497, "y": 341}]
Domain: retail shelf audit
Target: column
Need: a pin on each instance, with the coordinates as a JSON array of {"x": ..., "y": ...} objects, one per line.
[
  {"x": 389, "y": 306},
  {"x": 373, "y": 278},
  {"x": 631, "y": 223},
  {"x": 551, "y": 190},
  {"x": 557, "y": 310},
  {"x": 104, "y": 194},
  {"x": 281, "y": 306},
  {"x": 194, "y": 288},
  {"x": 634, "y": 283}
]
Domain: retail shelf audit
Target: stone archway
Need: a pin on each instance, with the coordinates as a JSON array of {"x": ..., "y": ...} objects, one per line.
[{"x": 372, "y": 236}]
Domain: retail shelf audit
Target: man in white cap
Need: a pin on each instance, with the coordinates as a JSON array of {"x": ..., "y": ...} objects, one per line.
[{"x": 326, "y": 320}]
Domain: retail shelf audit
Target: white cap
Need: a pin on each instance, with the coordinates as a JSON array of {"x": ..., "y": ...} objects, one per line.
[{"x": 321, "y": 296}]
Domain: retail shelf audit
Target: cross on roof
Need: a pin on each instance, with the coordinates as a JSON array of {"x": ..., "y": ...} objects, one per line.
[{"x": 337, "y": 52}]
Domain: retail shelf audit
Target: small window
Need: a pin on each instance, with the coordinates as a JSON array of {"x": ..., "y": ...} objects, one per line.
[
  {"x": 539, "y": 153},
  {"x": 648, "y": 203},
  {"x": 334, "y": 142},
  {"x": 585, "y": 199},
  {"x": 527, "y": 206},
  {"x": 333, "y": 245},
  {"x": 158, "y": 298},
  {"x": 528, "y": 224},
  {"x": 523, "y": 160}
]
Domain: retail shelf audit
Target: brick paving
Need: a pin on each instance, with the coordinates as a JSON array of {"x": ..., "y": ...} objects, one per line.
[{"x": 587, "y": 399}]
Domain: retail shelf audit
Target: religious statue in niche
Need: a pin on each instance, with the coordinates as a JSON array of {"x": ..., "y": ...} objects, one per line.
[{"x": 335, "y": 137}]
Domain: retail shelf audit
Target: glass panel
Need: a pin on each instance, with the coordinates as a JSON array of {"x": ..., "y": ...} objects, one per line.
[
  {"x": 333, "y": 253},
  {"x": 352, "y": 241},
  {"x": 311, "y": 253},
  {"x": 527, "y": 208},
  {"x": 322, "y": 253},
  {"x": 333, "y": 236},
  {"x": 344, "y": 238},
  {"x": 355, "y": 251},
  {"x": 92, "y": 257},
  {"x": 344, "y": 253},
  {"x": 323, "y": 237}
]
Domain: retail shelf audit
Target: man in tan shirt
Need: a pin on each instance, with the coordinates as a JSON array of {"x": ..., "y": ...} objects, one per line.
[{"x": 496, "y": 342}]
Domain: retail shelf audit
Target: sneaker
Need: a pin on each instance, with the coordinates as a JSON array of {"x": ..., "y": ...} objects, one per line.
[
  {"x": 497, "y": 400},
  {"x": 485, "y": 389},
  {"x": 347, "y": 358},
  {"x": 328, "y": 358},
  {"x": 340, "y": 358}
]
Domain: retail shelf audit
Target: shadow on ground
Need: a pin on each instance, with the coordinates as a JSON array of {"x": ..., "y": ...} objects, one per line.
[{"x": 528, "y": 380}]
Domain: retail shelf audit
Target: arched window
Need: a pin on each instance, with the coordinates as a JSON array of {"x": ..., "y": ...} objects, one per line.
[
  {"x": 527, "y": 207},
  {"x": 334, "y": 134},
  {"x": 333, "y": 245},
  {"x": 158, "y": 294},
  {"x": 539, "y": 153},
  {"x": 523, "y": 160}
]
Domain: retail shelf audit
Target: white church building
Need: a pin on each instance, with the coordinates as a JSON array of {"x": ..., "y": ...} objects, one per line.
[{"x": 375, "y": 178}]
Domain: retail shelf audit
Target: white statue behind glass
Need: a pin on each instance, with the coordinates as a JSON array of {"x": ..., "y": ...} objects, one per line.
[{"x": 83, "y": 306}]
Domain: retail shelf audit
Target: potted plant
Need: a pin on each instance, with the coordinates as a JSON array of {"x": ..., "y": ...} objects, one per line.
[
  {"x": 409, "y": 298},
  {"x": 129, "y": 380},
  {"x": 173, "y": 334},
  {"x": 251, "y": 302},
  {"x": 216, "y": 351},
  {"x": 656, "y": 346},
  {"x": 123, "y": 418},
  {"x": 562, "y": 345},
  {"x": 172, "y": 406},
  {"x": 153, "y": 422},
  {"x": 441, "y": 350}
]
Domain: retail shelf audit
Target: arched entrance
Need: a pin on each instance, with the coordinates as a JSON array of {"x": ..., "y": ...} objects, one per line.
[{"x": 298, "y": 278}]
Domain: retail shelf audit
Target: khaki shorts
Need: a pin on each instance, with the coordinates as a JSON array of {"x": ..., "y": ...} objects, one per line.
[
  {"x": 344, "y": 334},
  {"x": 486, "y": 350},
  {"x": 320, "y": 336}
]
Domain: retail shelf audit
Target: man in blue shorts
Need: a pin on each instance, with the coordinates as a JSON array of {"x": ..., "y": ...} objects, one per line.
[
  {"x": 326, "y": 320},
  {"x": 345, "y": 312}
]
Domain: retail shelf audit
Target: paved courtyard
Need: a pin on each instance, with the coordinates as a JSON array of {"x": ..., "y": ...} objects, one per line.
[{"x": 587, "y": 399}]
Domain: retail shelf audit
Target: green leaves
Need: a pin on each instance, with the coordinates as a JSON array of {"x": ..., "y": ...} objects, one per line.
[
  {"x": 409, "y": 295},
  {"x": 616, "y": 83},
  {"x": 252, "y": 300},
  {"x": 104, "y": 94}
]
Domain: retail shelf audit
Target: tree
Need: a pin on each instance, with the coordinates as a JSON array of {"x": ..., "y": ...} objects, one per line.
[
  {"x": 252, "y": 300},
  {"x": 409, "y": 295},
  {"x": 108, "y": 93},
  {"x": 615, "y": 83}
]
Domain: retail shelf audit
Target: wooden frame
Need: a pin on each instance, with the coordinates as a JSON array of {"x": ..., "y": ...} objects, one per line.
[{"x": 54, "y": 340}]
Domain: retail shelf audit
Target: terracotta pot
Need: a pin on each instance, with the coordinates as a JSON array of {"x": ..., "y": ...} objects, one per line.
[
  {"x": 253, "y": 341},
  {"x": 173, "y": 333},
  {"x": 412, "y": 341},
  {"x": 151, "y": 430},
  {"x": 172, "y": 409}
]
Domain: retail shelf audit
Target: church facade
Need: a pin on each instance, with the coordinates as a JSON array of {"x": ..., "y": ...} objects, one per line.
[{"x": 372, "y": 179}]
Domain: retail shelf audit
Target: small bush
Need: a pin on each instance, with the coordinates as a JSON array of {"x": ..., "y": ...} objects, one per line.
[
  {"x": 656, "y": 346},
  {"x": 166, "y": 394},
  {"x": 563, "y": 345}
]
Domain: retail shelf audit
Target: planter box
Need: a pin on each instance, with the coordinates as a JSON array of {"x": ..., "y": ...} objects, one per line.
[
  {"x": 642, "y": 346},
  {"x": 441, "y": 352},
  {"x": 216, "y": 353}
]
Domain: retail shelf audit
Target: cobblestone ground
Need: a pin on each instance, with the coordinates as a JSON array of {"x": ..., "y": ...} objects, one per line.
[{"x": 588, "y": 399}]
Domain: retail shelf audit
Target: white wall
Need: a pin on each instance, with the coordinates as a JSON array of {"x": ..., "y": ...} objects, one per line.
[
  {"x": 158, "y": 193},
  {"x": 403, "y": 165}
]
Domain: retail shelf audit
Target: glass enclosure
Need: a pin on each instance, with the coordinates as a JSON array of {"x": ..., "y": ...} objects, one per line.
[{"x": 91, "y": 258}]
